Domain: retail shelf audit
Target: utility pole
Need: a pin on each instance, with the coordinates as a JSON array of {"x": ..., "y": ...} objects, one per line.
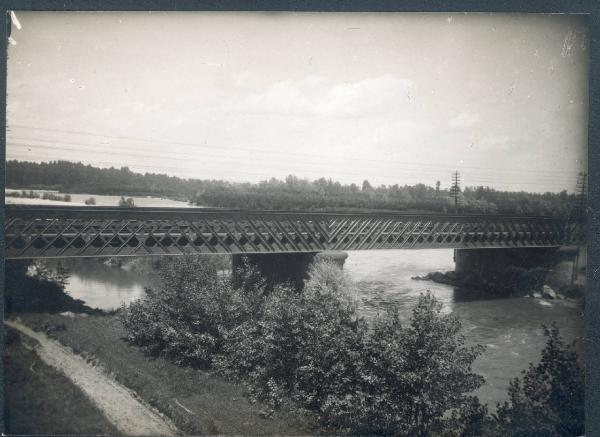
[
  {"x": 455, "y": 190},
  {"x": 580, "y": 213},
  {"x": 581, "y": 191}
]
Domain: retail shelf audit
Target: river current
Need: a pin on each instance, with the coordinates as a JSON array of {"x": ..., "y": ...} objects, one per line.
[{"x": 510, "y": 328}]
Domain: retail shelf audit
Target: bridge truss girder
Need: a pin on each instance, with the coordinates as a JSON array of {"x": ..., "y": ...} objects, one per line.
[{"x": 51, "y": 232}]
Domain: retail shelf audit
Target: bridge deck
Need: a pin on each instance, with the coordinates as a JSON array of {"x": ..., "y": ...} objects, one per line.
[{"x": 50, "y": 231}]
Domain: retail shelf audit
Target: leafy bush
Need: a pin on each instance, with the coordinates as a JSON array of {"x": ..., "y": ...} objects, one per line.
[
  {"x": 312, "y": 348},
  {"x": 184, "y": 318},
  {"x": 411, "y": 377},
  {"x": 126, "y": 203},
  {"x": 549, "y": 399},
  {"x": 24, "y": 194},
  {"x": 300, "y": 343},
  {"x": 90, "y": 201},
  {"x": 57, "y": 197}
]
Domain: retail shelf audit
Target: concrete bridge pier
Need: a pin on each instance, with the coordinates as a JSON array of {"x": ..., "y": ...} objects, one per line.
[
  {"x": 495, "y": 260},
  {"x": 278, "y": 268}
]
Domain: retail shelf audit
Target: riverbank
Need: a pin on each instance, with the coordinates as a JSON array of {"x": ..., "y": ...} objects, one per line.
[
  {"x": 197, "y": 402},
  {"x": 542, "y": 283}
]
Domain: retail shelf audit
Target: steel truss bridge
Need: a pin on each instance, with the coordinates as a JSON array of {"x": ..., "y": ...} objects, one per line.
[{"x": 53, "y": 232}]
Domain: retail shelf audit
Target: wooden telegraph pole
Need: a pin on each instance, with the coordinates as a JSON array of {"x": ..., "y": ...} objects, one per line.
[
  {"x": 580, "y": 207},
  {"x": 455, "y": 190}
]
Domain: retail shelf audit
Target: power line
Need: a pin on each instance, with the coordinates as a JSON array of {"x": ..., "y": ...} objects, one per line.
[
  {"x": 236, "y": 148},
  {"x": 215, "y": 173},
  {"x": 476, "y": 178},
  {"x": 338, "y": 176}
]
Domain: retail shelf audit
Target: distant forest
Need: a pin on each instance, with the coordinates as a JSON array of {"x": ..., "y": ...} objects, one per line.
[{"x": 291, "y": 193}]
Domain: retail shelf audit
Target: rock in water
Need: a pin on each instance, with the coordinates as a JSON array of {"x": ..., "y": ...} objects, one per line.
[{"x": 548, "y": 292}]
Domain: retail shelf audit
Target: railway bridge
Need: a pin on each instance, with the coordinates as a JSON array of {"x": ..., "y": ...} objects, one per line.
[{"x": 279, "y": 242}]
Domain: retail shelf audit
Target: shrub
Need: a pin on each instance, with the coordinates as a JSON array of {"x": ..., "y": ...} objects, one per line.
[
  {"x": 90, "y": 201},
  {"x": 52, "y": 196},
  {"x": 126, "y": 203},
  {"x": 312, "y": 348},
  {"x": 549, "y": 399},
  {"x": 411, "y": 376},
  {"x": 301, "y": 342},
  {"x": 183, "y": 318}
]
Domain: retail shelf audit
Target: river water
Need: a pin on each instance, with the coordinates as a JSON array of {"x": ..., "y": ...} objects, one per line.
[{"x": 510, "y": 328}]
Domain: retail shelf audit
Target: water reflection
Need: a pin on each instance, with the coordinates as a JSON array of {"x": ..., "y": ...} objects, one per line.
[{"x": 102, "y": 286}]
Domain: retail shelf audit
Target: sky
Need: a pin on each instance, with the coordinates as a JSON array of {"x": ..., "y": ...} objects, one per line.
[{"x": 395, "y": 98}]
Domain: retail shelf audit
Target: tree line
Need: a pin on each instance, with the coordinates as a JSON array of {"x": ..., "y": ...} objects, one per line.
[{"x": 291, "y": 193}]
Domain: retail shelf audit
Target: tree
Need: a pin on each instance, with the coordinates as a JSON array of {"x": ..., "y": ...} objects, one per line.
[
  {"x": 415, "y": 380},
  {"x": 126, "y": 203},
  {"x": 90, "y": 201},
  {"x": 549, "y": 399}
]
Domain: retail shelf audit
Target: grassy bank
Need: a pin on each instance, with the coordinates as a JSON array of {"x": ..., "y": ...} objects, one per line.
[
  {"x": 196, "y": 401},
  {"x": 40, "y": 400}
]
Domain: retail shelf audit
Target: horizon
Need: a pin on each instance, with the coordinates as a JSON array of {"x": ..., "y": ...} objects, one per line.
[{"x": 283, "y": 180}]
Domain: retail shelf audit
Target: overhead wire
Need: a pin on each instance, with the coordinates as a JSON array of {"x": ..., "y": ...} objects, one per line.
[
  {"x": 416, "y": 177},
  {"x": 270, "y": 152},
  {"x": 32, "y": 142},
  {"x": 203, "y": 173}
]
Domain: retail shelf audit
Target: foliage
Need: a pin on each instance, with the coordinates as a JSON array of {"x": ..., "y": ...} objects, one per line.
[
  {"x": 291, "y": 193},
  {"x": 549, "y": 399},
  {"x": 126, "y": 203},
  {"x": 33, "y": 195},
  {"x": 300, "y": 344},
  {"x": 31, "y": 286},
  {"x": 312, "y": 348},
  {"x": 57, "y": 197},
  {"x": 411, "y": 377},
  {"x": 23, "y": 194},
  {"x": 184, "y": 317},
  {"x": 90, "y": 201}
]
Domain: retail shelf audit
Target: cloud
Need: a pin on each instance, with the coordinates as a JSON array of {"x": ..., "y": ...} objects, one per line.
[
  {"x": 316, "y": 96},
  {"x": 463, "y": 120}
]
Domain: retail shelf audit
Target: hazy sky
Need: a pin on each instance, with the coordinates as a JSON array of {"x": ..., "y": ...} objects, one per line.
[{"x": 393, "y": 98}]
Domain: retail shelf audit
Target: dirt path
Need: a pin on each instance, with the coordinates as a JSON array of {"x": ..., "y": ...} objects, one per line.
[{"x": 118, "y": 403}]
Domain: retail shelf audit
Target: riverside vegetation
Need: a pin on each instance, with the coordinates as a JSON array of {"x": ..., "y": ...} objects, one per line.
[
  {"x": 291, "y": 193},
  {"x": 311, "y": 351}
]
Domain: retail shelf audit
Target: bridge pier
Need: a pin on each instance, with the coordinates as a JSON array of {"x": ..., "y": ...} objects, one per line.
[
  {"x": 495, "y": 260},
  {"x": 278, "y": 268}
]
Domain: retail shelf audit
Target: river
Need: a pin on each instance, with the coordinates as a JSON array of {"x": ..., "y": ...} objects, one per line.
[{"x": 510, "y": 328}]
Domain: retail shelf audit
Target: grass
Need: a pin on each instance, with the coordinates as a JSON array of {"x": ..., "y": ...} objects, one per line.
[
  {"x": 40, "y": 400},
  {"x": 198, "y": 402}
]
